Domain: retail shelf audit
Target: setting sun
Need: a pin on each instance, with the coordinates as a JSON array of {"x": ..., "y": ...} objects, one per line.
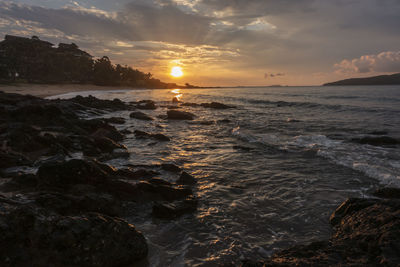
[{"x": 176, "y": 72}]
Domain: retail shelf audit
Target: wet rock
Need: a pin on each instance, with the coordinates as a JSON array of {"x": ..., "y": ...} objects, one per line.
[
  {"x": 12, "y": 159},
  {"x": 140, "y": 116},
  {"x": 93, "y": 102},
  {"x": 215, "y": 105},
  {"x": 161, "y": 191},
  {"x": 179, "y": 115},
  {"x": 68, "y": 204},
  {"x": 186, "y": 179},
  {"x": 366, "y": 232},
  {"x": 115, "y": 120},
  {"x": 224, "y": 121},
  {"x": 174, "y": 209},
  {"x": 33, "y": 237},
  {"x": 146, "y": 104},
  {"x": 379, "y": 132},
  {"x": 175, "y": 100},
  {"x": 170, "y": 167},
  {"x": 159, "y": 137},
  {"x": 128, "y": 173},
  {"x": 189, "y": 104},
  {"x": 97, "y": 128},
  {"x": 107, "y": 145},
  {"x": 377, "y": 140},
  {"x": 75, "y": 171},
  {"x": 388, "y": 192}
]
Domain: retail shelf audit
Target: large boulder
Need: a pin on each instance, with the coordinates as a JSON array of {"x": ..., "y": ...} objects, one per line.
[
  {"x": 366, "y": 232},
  {"x": 179, "y": 115},
  {"x": 144, "y": 135},
  {"x": 31, "y": 236},
  {"x": 140, "y": 116},
  {"x": 215, "y": 105},
  {"x": 146, "y": 104},
  {"x": 377, "y": 141}
]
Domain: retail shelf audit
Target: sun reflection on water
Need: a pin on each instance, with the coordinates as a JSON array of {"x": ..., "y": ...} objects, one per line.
[{"x": 177, "y": 93}]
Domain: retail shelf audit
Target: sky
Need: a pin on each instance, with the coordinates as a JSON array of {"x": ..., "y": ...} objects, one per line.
[{"x": 223, "y": 42}]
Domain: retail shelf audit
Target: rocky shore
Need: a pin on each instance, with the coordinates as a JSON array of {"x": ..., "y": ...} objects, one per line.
[{"x": 61, "y": 205}]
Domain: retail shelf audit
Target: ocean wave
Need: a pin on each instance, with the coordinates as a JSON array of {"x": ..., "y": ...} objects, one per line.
[{"x": 371, "y": 161}]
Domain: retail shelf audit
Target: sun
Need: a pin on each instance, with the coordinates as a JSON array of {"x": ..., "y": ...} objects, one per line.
[{"x": 176, "y": 72}]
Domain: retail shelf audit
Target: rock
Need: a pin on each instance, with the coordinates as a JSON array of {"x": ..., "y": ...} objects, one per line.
[
  {"x": 159, "y": 137},
  {"x": 146, "y": 104},
  {"x": 179, "y": 115},
  {"x": 12, "y": 159},
  {"x": 107, "y": 145},
  {"x": 388, "y": 192},
  {"x": 140, "y": 116},
  {"x": 366, "y": 232},
  {"x": 93, "y": 102},
  {"x": 156, "y": 191},
  {"x": 377, "y": 140},
  {"x": 170, "y": 167},
  {"x": 136, "y": 175},
  {"x": 188, "y": 104},
  {"x": 115, "y": 120},
  {"x": 22, "y": 181},
  {"x": 175, "y": 100},
  {"x": 174, "y": 209},
  {"x": 215, "y": 105},
  {"x": 186, "y": 179},
  {"x": 33, "y": 237},
  {"x": 224, "y": 121},
  {"x": 75, "y": 171}
]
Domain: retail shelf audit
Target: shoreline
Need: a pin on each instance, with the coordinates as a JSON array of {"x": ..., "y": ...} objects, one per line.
[
  {"x": 91, "y": 197},
  {"x": 46, "y": 90}
]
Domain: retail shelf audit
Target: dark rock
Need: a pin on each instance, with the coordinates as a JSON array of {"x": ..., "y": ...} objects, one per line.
[
  {"x": 140, "y": 116},
  {"x": 146, "y": 104},
  {"x": 215, "y": 105},
  {"x": 224, "y": 121},
  {"x": 75, "y": 171},
  {"x": 366, "y": 232},
  {"x": 164, "y": 192},
  {"x": 186, "y": 179},
  {"x": 93, "y": 102},
  {"x": 377, "y": 141},
  {"x": 179, "y": 115},
  {"x": 170, "y": 167},
  {"x": 136, "y": 175},
  {"x": 378, "y": 132},
  {"x": 115, "y": 120},
  {"x": 159, "y": 137},
  {"x": 174, "y": 209},
  {"x": 388, "y": 192},
  {"x": 188, "y": 104},
  {"x": 12, "y": 159},
  {"x": 33, "y": 237}
]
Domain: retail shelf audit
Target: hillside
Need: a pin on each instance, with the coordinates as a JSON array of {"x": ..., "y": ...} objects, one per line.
[
  {"x": 376, "y": 80},
  {"x": 31, "y": 60}
]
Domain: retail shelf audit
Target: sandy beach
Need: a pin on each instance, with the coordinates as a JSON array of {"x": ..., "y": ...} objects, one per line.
[{"x": 45, "y": 90}]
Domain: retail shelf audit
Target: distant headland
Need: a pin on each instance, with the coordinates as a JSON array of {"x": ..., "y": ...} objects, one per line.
[
  {"x": 35, "y": 61},
  {"x": 376, "y": 80}
]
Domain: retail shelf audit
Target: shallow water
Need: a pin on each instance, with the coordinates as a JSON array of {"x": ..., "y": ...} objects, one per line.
[{"x": 270, "y": 176}]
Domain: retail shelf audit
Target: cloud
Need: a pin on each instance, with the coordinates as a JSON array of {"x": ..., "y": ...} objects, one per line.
[{"x": 383, "y": 62}]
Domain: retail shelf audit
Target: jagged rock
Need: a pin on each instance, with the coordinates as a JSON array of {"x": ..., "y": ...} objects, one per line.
[
  {"x": 174, "y": 209},
  {"x": 170, "y": 167},
  {"x": 140, "y": 116},
  {"x": 159, "y": 137},
  {"x": 136, "y": 175},
  {"x": 11, "y": 159},
  {"x": 156, "y": 191},
  {"x": 146, "y": 104},
  {"x": 93, "y": 102},
  {"x": 388, "y": 192},
  {"x": 34, "y": 237},
  {"x": 189, "y": 104},
  {"x": 179, "y": 115},
  {"x": 366, "y": 232},
  {"x": 186, "y": 179},
  {"x": 215, "y": 105}
]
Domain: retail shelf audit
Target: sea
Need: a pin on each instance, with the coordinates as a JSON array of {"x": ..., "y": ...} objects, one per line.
[{"x": 270, "y": 171}]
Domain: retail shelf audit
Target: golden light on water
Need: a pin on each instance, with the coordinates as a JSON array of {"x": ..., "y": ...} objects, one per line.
[
  {"x": 177, "y": 93},
  {"x": 176, "y": 72}
]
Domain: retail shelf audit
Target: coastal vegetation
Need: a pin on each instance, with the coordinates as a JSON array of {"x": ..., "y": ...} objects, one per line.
[{"x": 31, "y": 60}]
